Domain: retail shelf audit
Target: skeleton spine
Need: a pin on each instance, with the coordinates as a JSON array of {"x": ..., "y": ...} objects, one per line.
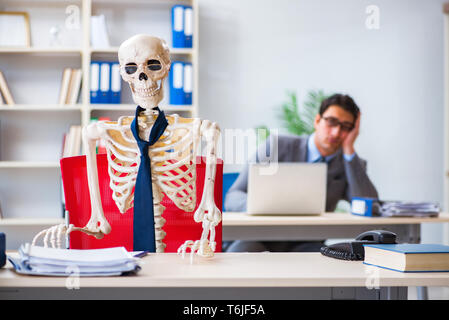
[{"x": 159, "y": 222}]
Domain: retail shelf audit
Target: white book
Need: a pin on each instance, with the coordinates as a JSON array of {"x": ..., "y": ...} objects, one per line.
[
  {"x": 69, "y": 142},
  {"x": 66, "y": 75},
  {"x": 77, "y": 141},
  {"x": 65, "y": 150},
  {"x": 99, "y": 34},
  {"x": 75, "y": 86}
]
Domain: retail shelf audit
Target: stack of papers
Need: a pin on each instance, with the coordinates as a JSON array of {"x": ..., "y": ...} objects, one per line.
[
  {"x": 37, "y": 260},
  {"x": 410, "y": 209}
]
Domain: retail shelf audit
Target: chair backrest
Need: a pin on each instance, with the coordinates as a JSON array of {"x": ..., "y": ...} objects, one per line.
[
  {"x": 228, "y": 180},
  {"x": 179, "y": 225}
]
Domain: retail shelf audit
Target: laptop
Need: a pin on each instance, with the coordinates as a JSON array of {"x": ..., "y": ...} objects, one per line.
[{"x": 290, "y": 189}]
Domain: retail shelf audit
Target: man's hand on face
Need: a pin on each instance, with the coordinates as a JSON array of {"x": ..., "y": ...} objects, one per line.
[{"x": 348, "y": 142}]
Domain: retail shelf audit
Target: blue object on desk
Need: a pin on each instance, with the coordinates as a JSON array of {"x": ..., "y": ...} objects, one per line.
[
  {"x": 367, "y": 207},
  {"x": 228, "y": 181},
  {"x": 2, "y": 249}
]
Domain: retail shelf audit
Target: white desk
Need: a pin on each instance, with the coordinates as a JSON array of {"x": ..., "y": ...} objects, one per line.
[
  {"x": 229, "y": 276},
  {"x": 239, "y": 225}
]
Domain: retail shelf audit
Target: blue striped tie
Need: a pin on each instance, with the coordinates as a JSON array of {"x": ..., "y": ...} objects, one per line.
[{"x": 143, "y": 220}]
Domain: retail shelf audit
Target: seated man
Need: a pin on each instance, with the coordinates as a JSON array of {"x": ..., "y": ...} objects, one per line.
[{"x": 336, "y": 130}]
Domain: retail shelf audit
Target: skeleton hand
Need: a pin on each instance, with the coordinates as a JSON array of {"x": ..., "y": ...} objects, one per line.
[
  {"x": 202, "y": 247},
  {"x": 56, "y": 234}
]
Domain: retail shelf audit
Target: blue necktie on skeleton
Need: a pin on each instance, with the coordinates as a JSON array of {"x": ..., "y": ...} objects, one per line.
[{"x": 143, "y": 220}]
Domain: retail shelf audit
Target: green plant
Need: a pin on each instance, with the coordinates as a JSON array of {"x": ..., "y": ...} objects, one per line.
[
  {"x": 297, "y": 121},
  {"x": 300, "y": 121},
  {"x": 262, "y": 133}
]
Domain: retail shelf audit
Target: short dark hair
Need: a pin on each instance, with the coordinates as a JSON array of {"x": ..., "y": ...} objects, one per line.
[{"x": 341, "y": 100}]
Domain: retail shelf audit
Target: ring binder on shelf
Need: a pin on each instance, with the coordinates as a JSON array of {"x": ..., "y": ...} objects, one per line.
[
  {"x": 105, "y": 82},
  {"x": 176, "y": 79},
  {"x": 188, "y": 27},
  {"x": 116, "y": 83},
  {"x": 188, "y": 83},
  {"x": 178, "y": 26},
  {"x": 95, "y": 82}
]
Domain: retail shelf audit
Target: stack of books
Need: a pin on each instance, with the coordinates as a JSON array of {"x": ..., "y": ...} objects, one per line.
[{"x": 35, "y": 260}]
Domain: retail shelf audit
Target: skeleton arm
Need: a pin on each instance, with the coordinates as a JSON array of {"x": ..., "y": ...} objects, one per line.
[
  {"x": 97, "y": 226},
  {"x": 207, "y": 213},
  {"x": 97, "y": 223}
]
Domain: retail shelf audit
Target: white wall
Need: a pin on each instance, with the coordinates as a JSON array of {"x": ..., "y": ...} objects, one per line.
[{"x": 253, "y": 51}]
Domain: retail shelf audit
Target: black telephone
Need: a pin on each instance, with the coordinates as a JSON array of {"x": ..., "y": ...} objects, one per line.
[{"x": 354, "y": 250}]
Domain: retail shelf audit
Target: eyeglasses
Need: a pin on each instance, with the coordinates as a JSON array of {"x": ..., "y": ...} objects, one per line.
[
  {"x": 333, "y": 122},
  {"x": 152, "y": 65}
]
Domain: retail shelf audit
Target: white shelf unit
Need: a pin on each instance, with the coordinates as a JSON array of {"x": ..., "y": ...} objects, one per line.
[
  {"x": 31, "y": 131},
  {"x": 446, "y": 118}
]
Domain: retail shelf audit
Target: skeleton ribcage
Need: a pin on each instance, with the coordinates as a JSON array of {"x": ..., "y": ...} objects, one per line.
[{"x": 172, "y": 160}]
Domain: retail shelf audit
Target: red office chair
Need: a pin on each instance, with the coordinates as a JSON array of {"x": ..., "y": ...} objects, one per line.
[{"x": 179, "y": 227}]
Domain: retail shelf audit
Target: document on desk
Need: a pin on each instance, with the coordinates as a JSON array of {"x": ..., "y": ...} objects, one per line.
[
  {"x": 35, "y": 260},
  {"x": 409, "y": 209}
]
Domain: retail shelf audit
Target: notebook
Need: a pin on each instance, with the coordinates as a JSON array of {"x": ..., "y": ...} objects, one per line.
[{"x": 408, "y": 257}]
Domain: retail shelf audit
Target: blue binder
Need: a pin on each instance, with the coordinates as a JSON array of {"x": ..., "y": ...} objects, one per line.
[
  {"x": 116, "y": 83},
  {"x": 188, "y": 83},
  {"x": 105, "y": 82},
  {"x": 95, "y": 82},
  {"x": 188, "y": 27},
  {"x": 177, "y": 22},
  {"x": 176, "y": 79}
]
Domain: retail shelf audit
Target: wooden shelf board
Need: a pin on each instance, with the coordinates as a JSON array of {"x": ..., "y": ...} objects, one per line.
[
  {"x": 28, "y": 164},
  {"x": 41, "y": 107},
  {"x": 119, "y": 107},
  {"x": 30, "y": 221},
  {"x": 186, "y": 51},
  {"x": 56, "y": 50}
]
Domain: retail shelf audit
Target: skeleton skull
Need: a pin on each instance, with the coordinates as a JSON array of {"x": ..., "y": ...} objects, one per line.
[{"x": 144, "y": 64}]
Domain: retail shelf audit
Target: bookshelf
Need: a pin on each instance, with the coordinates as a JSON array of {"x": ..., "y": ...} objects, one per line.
[{"x": 31, "y": 131}]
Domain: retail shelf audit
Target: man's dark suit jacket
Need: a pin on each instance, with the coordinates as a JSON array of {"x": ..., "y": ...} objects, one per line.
[{"x": 345, "y": 179}]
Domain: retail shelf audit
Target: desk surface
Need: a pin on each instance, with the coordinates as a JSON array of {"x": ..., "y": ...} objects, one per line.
[
  {"x": 244, "y": 219},
  {"x": 241, "y": 270}
]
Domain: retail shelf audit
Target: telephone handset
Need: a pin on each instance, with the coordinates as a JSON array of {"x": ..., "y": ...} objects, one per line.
[{"x": 354, "y": 250}]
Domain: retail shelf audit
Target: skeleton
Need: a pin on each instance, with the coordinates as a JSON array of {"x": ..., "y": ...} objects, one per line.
[{"x": 144, "y": 64}]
